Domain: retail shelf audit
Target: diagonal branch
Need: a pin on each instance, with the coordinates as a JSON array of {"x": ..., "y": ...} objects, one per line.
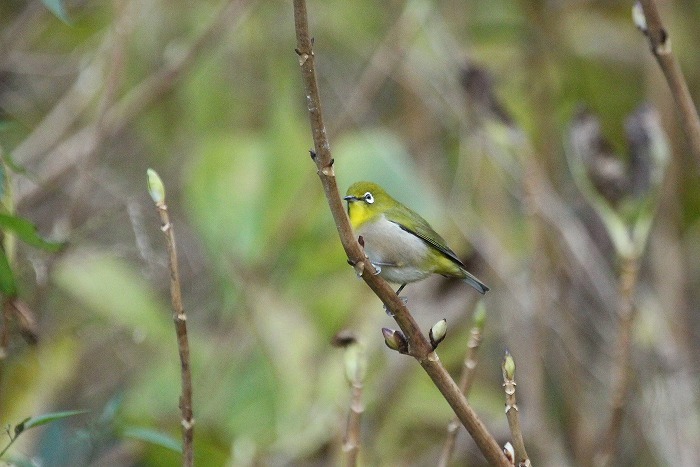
[
  {"x": 660, "y": 43},
  {"x": 419, "y": 347}
]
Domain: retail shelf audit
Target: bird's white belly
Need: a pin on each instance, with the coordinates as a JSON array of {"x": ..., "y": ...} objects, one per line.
[{"x": 400, "y": 254}]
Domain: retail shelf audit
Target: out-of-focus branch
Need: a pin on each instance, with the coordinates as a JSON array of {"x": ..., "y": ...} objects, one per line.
[
  {"x": 465, "y": 380},
  {"x": 521, "y": 457},
  {"x": 355, "y": 370},
  {"x": 72, "y": 150},
  {"x": 629, "y": 272},
  {"x": 660, "y": 42},
  {"x": 157, "y": 192},
  {"x": 629, "y": 235},
  {"x": 419, "y": 347}
]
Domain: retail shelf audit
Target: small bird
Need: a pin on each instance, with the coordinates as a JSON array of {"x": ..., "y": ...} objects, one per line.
[{"x": 399, "y": 242}]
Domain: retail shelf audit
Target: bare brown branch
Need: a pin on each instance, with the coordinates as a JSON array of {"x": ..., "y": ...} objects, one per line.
[
  {"x": 465, "y": 383},
  {"x": 660, "y": 43},
  {"x": 180, "y": 320},
  {"x": 419, "y": 347},
  {"x": 628, "y": 280},
  {"x": 521, "y": 457}
]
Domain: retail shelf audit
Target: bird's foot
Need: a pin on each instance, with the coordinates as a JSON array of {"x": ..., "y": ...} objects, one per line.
[
  {"x": 378, "y": 270},
  {"x": 389, "y": 313}
]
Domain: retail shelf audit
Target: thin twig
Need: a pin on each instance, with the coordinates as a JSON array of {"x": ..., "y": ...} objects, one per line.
[
  {"x": 179, "y": 317},
  {"x": 628, "y": 280},
  {"x": 355, "y": 371},
  {"x": 351, "y": 443},
  {"x": 419, "y": 347},
  {"x": 521, "y": 457},
  {"x": 465, "y": 381},
  {"x": 660, "y": 44}
]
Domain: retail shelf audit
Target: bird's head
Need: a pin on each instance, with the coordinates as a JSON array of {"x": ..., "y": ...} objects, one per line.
[{"x": 365, "y": 201}]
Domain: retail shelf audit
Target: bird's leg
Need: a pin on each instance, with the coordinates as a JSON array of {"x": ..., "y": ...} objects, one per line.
[{"x": 403, "y": 299}]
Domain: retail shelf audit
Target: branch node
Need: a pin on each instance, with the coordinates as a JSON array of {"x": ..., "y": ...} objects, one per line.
[
  {"x": 312, "y": 153},
  {"x": 166, "y": 227},
  {"x": 432, "y": 357},
  {"x": 359, "y": 268},
  {"x": 664, "y": 45},
  {"x": 303, "y": 57},
  {"x": 187, "y": 424},
  {"x": 328, "y": 170}
]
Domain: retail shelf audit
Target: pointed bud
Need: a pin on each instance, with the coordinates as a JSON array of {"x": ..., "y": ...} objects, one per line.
[
  {"x": 155, "y": 187},
  {"x": 355, "y": 363},
  {"x": 395, "y": 340},
  {"x": 508, "y": 367},
  {"x": 437, "y": 333},
  {"x": 479, "y": 318}
]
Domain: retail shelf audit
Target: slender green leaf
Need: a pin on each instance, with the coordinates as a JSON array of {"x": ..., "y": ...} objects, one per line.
[
  {"x": 50, "y": 417},
  {"x": 26, "y": 231},
  {"x": 8, "y": 286},
  {"x": 154, "y": 437},
  {"x": 58, "y": 9}
]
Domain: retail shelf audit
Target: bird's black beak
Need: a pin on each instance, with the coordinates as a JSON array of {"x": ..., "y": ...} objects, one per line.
[{"x": 351, "y": 198}]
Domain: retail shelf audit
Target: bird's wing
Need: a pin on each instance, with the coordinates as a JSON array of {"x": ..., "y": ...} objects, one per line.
[{"x": 402, "y": 216}]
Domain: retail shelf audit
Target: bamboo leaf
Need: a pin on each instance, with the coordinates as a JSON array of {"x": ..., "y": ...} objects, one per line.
[
  {"x": 154, "y": 437},
  {"x": 50, "y": 417},
  {"x": 26, "y": 231}
]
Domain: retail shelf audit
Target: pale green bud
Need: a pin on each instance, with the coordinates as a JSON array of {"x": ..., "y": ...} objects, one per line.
[
  {"x": 395, "y": 340},
  {"x": 438, "y": 332},
  {"x": 508, "y": 367},
  {"x": 355, "y": 363},
  {"x": 155, "y": 187}
]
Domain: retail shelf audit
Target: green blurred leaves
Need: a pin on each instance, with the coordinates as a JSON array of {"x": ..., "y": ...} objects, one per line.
[{"x": 8, "y": 285}]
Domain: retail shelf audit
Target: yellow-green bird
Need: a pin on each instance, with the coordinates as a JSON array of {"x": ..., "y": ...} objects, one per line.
[{"x": 399, "y": 242}]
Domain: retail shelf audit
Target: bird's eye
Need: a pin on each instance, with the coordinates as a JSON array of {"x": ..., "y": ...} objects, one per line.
[{"x": 369, "y": 198}]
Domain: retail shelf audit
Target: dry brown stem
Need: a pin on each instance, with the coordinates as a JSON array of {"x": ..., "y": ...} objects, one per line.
[
  {"x": 521, "y": 457},
  {"x": 351, "y": 443},
  {"x": 180, "y": 319},
  {"x": 628, "y": 280},
  {"x": 419, "y": 347},
  {"x": 660, "y": 44},
  {"x": 465, "y": 383}
]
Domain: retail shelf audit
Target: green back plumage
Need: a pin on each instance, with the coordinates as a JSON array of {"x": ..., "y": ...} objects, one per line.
[{"x": 405, "y": 217}]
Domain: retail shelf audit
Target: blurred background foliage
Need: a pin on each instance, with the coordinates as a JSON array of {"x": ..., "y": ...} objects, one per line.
[{"x": 209, "y": 94}]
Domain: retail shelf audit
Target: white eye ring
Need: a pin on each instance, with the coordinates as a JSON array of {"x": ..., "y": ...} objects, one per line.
[{"x": 369, "y": 199}]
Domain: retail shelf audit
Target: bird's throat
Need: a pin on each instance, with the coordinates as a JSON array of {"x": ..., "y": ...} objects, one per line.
[{"x": 360, "y": 213}]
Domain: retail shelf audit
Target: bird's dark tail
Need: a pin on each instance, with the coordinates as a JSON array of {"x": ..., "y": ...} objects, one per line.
[{"x": 474, "y": 282}]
